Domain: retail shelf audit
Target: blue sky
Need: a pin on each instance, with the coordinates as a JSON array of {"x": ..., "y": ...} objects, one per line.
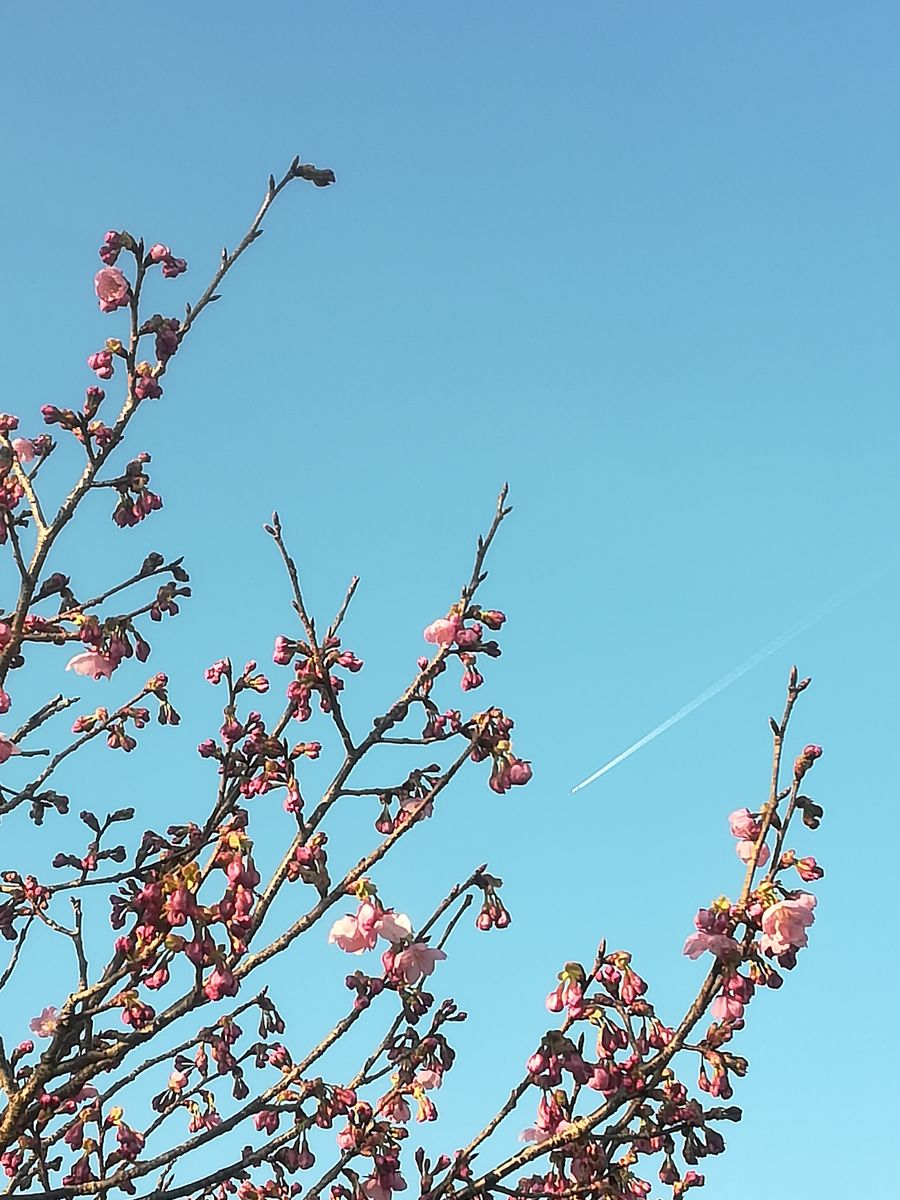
[{"x": 639, "y": 260}]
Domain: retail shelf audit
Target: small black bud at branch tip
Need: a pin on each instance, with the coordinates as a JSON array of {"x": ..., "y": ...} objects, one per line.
[{"x": 774, "y": 726}]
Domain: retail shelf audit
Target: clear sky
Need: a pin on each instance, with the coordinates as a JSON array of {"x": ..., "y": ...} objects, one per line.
[{"x": 640, "y": 260}]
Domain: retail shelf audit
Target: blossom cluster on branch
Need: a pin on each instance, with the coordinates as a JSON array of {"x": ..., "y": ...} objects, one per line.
[{"x": 172, "y": 1042}]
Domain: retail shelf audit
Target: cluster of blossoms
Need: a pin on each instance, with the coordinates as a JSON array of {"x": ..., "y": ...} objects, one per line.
[
  {"x": 314, "y": 671},
  {"x": 630, "y": 1040},
  {"x": 111, "y": 641},
  {"x": 494, "y": 743},
  {"x": 170, "y": 901},
  {"x": 136, "y": 501},
  {"x": 751, "y": 941},
  {"x": 85, "y": 426},
  {"x": 15, "y": 454},
  {"x": 112, "y": 287},
  {"x": 249, "y": 754},
  {"x": 189, "y": 908},
  {"x": 406, "y": 961},
  {"x": 453, "y": 636},
  {"x": 461, "y": 634}
]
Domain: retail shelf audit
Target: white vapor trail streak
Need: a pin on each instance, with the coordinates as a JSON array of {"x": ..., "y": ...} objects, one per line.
[{"x": 713, "y": 690}]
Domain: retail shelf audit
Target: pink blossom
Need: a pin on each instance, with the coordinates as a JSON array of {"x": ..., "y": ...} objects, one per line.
[
  {"x": 92, "y": 663},
  {"x": 554, "y": 1002},
  {"x": 267, "y": 1120},
  {"x": 147, "y": 387},
  {"x": 745, "y": 852},
  {"x": 807, "y": 868},
  {"x": 354, "y": 934},
  {"x": 784, "y": 925},
  {"x": 44, "y": 1025},
  {"x": 101, "y": 361},
  {"x": 158, "y": 252},
  {"x": 467, "y": 638},
  {"x": 519, "y": 772},
  {"x": 375, "y": 1189},
  {"x": 805, "y": 759},
  {"x": 395, "y": 1107},
  {"x": 7, "y": 748},
  {"x": 442, "y": 631},
  {"x": 112, "y": 245},
  {"x": 471, "y": 679},
  {"x": 221, "y": 983},
  {"x": 718, "y": 944},
  {"x": 112, "y": 289},
  {"x": 630, "y": 987},
  {"x": 284, "y": 650},
  {"x": 24, "y": 448},
  {"x": 5, "y": 701},
  {"x": 393, "y": 927},
  {"x": 428, "y": 1078},
  {"x": 569, "y": 994},
  {"x": 550, "y": 1119},
  {"x": 744, "y": 825},
  {"x": 493, "y": 618},
  {"x": 727, "y": 1008},
  {"x": 417, "y": 961}
]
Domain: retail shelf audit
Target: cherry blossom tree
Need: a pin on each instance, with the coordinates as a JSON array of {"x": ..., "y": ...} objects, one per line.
[{"x": 166, "y": 1053}]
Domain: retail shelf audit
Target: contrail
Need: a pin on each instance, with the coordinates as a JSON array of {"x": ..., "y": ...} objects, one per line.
[{"x": 713, "y": 690}]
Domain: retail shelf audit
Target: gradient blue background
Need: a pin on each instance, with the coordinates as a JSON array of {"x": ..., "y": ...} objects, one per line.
[{"x": 642, "y": 262}]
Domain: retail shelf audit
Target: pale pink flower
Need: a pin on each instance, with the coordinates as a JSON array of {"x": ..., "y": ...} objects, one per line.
[
  {"x": 784, "y": 925},
  {"x": 745, "y": 852},
  {"x": 356, "y": 933},
  {"x": 7, "y": 748},
  {"x": 158, "y": 252},
  {"x": 393, "y": 926},
  {"x": 727, "y": 1008},
  {"x": 359, "y": 932},
  {"x": 744, "y": 825},
  {"x": 395, "y": 1107},
  {"x": 44, "y": 1025},
  {"x": 428, "y": 1078},
  {"x": 718, "y": 944},
  {"x": 24, "y": 449},
  {"x": 417, "y": 961},
  {"x": 91, "y": 663},
  {"x": 550, "y": 1119},
  {"x": 112, "y": 288},
  {"x": 442, "y": 631}
]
